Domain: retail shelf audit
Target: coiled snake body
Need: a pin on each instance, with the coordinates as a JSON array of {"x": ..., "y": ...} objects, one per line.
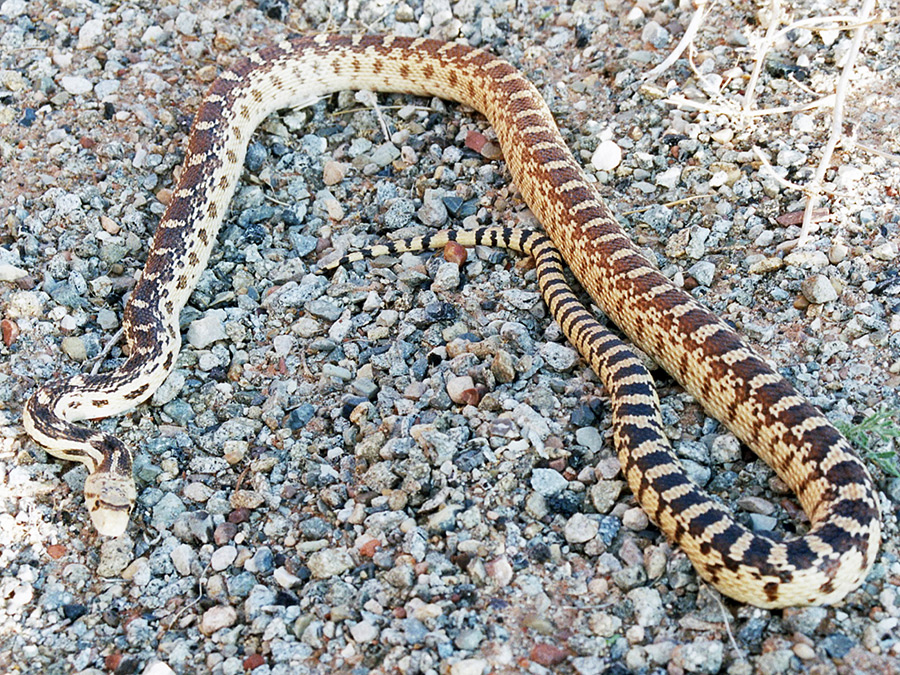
[{"x": 700, "y": 351}]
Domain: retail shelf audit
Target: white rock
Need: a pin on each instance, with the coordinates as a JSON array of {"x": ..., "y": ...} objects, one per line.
[
  {"x": 469, "y": 667},
  {"x": 76, "y": 85},
  {"x": 13, "y": 8},
  {"x": 669, "y": 178},
  {"x": 580, "y": 529},
  {"x": 12, "y": 273},
  {"x": 223, "y": 557},
  {"x": 182, "y": 557},
  {"x": 208, "y": 329},
  {"x": 329, "y": 563},
  {"x": 158, "y": 668},
  {"x": 818, "y": 289},
  {"x": 216, "y": 618},
  {"x": 364, "y": 631},
  {"x": 607, "y": 156},
  {"x": 90, "y": 33}
]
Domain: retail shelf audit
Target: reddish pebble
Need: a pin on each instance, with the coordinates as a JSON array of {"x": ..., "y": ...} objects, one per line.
[
  {"x": 475, "y": 141},
  {"x": 112, "y": 662},
  {"x": 56, "y": 551},
  {"x": 548, "y": 655},
  {"x": 368, "y": 549},
  {"x": 224, "y": 533},
  {"x": 164, "y": 196},
  {"x": 239, "y": 516},
  {"x": 254, "y": 661},
  {"x": 9, "y": 330},
  {"x": 87, "y": 143},
  {"x": 455, "y": 253}
]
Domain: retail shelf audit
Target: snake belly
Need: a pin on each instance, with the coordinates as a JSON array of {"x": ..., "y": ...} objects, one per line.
[{"x": 732, "y": 383}]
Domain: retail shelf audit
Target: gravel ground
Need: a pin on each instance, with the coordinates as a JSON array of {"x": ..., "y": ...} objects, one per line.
[{"x": 317, "y": 491}]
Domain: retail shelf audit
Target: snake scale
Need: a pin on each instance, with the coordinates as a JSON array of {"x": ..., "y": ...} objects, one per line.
[{"x": 732, "y": 383}]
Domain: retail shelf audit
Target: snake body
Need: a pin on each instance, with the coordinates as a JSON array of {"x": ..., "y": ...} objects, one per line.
[{"x": 700, "y": 351}]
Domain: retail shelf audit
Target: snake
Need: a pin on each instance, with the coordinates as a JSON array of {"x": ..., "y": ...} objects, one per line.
[{"x": 700, "y": 351}]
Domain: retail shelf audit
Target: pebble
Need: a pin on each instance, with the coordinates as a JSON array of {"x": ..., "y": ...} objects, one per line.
[
  {"x": 74, "y": 348},
  {"x": 89, "y": 34},
  {"x": 446, "y": 278},
  {"x": 699, "y": 656},
  {"x": 76, "y": 85},
  {"x": 223, "y": 557},
  {"x": 469, "y": 667},
  {"x": 166, "y": 511},
  {"x": 560, "y": 358},
  {"x": 590, "y": 438},
  {"x": 818, "y": 289},
  {"x": 635, "y": 519},
  {"x": 208, "y": 329},
  {"x": 217, "y": 618},
  {"x": 548, "y": 482},
  {"x": 115, "y": 555},
  {"x": 364, "y": 631},
  {"x": 580, "y": 529},
  {"x": 702, "y": 272},
  {"x": 462, "y": 390},
  {"x": 329, "y": 562},
  {"x": 607, "y": 156},
  {"x": 604, "y": 494},
  {"x": 648, "y": 606},
  {"x": 183, "y": 556}
]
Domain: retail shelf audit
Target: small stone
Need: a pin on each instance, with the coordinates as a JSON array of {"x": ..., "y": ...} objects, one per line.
[
  {"x": 503, "y": 367},
  {"x": 703, "y": 272},
  {"x": 246, "y": 499},
  {"x": 607, "y": 156},
  {"x": 90, "y": 33},
  {"x": 818, "y": 289},
  {"x": 789, "y": 157},
  {"x": 838, "y": 252},
  {"x": 580, "y": 529},
  {"x": 699, "y": 656},
  {"x": 333, "y": 172},
  {"x": 329, "y": 563},
  {"x": 723, "y": 136},
  {"x": 216, "y": 618},
  {"x": 154, "y": 35},
  {"x": 182, "y": 557},
  {"x": 167, "y": 510},
  {"x": 590, "y": 438},
  {"x": 559, "y": 357},
  {"x": 635, "y": 519},
  {"x": 157, "y": 668},
  {"x": 669, "y": 178},
  {"x": 548, "y": 655},
  {"x": 223, "y": 557},
  {"x": 469, "y": 667},
  {"x": 886, "y": 251},
  {"x": 208, "y": 329},
  {"x": 12, "y": 273},
  {"x": 74, "y": 348},
  {"x": 76, "y": 85},
  {"x": 803, "y": 651},
  {"x": 604, "y": 494},
  {"x": 115, "y": 555},
  {"x": 648, "y": 606},
  {"x": 284, "y": 578},
  {"x": 500, "y": 571},
  {"x": 446, "y": 278},
  {"x": 364, "y": 631},
  {"x": 185, "y": 23},
  {"x": 462, "y": 390},
  {"x": 548, "y": 482},
  {"x": 455, "y": 253}
]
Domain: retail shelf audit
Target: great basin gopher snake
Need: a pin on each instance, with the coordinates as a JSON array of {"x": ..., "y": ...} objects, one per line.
[{"x": 698, "y": 349}]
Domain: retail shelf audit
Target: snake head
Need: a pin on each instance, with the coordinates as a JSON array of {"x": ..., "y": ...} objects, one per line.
[{"x": 109, "y": 491}]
